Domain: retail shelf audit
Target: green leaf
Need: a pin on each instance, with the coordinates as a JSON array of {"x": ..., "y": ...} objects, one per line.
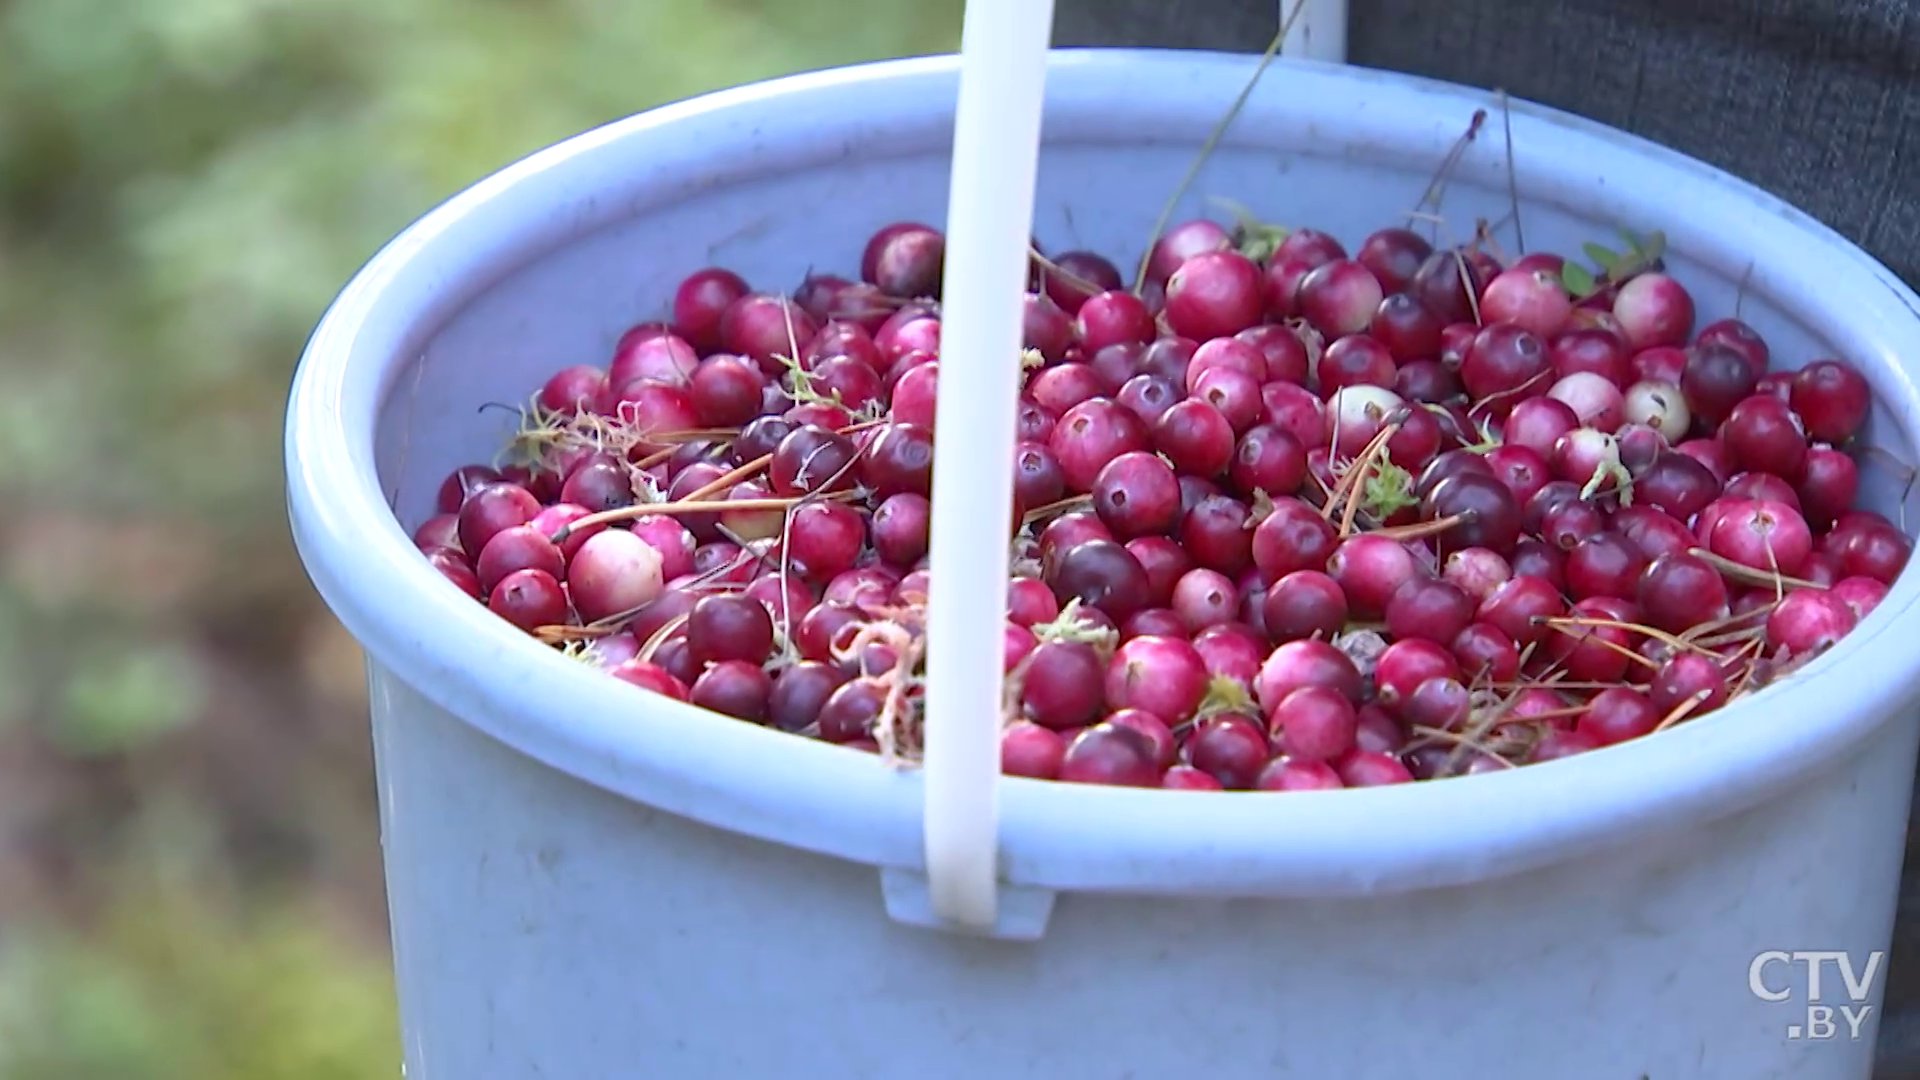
[
  {"x": 1656, "y": 246},
  {"x": 1255, "y": 239},
  {"x": 1602, "y": 257},
  {"x": 1578, "y": 280}
]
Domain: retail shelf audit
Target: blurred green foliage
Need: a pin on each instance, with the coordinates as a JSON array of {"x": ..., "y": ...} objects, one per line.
[
  {"x": 180, "y": 977},
  {"x": 183, "y": 186}
]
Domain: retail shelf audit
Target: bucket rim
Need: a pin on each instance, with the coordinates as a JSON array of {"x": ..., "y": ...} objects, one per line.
[{"x": 827, "y": 799}]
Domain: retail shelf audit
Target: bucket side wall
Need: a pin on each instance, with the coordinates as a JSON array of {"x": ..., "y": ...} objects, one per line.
[{"x": 546, "y": 928}]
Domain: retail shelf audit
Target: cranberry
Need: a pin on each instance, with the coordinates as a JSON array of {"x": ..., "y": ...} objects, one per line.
[
  {"x": 1306, "y": 663},
  {"x": 1660, "y": 364},
  {"x": 1604, "y": 564},
  {"x": 1742, "y": 338},
  {"x": 1296, "y": 411},
  {"x": 1369, "y": 570},
  {"x": 1761, "y": 534},
  {"x": 1101, "y": 574},
  {"x": 1427, "y": 381},
  {"x": 1137, "y": 494},
  {"x": 722, "y": 627},
  {"x": 1355, "y": 414},
  {"x": 1483, "y": 510},
  {"x": 1430, "y": 609},
  {"x": 1355, "y": 360},
  {"x": 1446, "y": 283},
  {"x": 1716, "y": 378},
  {"x": 1677, "y": 484},
  {"x": 1268, "y": 460},
  {"x": 1310, "y": 246},
  {"x": 1029, "y": 750},
  {"x": 1598, "y": 352},
  {"x": 651, "y": 676},
  {"x": 1304, "y": 604},
  {"x": 1519, "y": 607},
  {"x": 1314, "y": 723},
  {"x": 1113, "y": 317},
  {"x": 1876, "y": 551},
  {"x": 614, "y": 572},
  {"x": 1361, "y": 769},
  {"x": 1233, "y": 749},
  {"x": 1091, "y": 434},
  {"x": 1828, "y": 486},
  {"x": 1283, "y": 349},
  {"x": 1216, "y": 294},
  {"x": 528, "y": 599},
  {"x": 1188, "y": 778},
  {"x": 852, "y": 710},
  {"x": 764, "y": 328},
  {"x": 1293, "y": 536},
  {"x": 1110, "y": 754},
  {"x": 1833, "y": 400},
  {"x": 1763, "y": 433},
  {"x": 734, "y": 688},
  {"x": 1182, "y": 242},
  {"x": 1339, "y": 298},
  {"x": 1678, "y": 591},
  {"x": 1504, "y": 361},
  {"x": 1617, "y": 714},
  {"x": 1685, "y": 675},
  {"x": 1205, "y": 598},
  {"x": 1160, "y": 675},
  {"x": 1076, "y": 271},
  {"x": 1393, "y": 256},
  {"x": 1236, "y": 394},
  {"x": 490, "y": 509},
  {"x": 812, "y": 459},
  {"x": 1654, "y": 309},
  {"x": 1531, "y": 299},
  {"x": 1285, "y": 774},
  {"x": 1860, "y": 594},
  {"x": 1476, "y": 571}
]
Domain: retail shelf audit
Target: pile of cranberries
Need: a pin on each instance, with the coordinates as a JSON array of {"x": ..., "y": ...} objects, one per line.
[{"x": 1286, "y": 517}]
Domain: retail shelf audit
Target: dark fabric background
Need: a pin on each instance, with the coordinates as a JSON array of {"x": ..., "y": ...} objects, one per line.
[{"x": 1816, "y": 100}]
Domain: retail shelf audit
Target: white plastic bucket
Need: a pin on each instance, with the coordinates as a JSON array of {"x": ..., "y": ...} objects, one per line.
[{"x": 589, "y": 882}]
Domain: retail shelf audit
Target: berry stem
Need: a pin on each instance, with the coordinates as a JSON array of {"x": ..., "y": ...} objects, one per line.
[
  {"x": 1683, "y": 710},
  {"x": 1068, "y": 505},
  {"x": 1706, "y": 631},
  {"x": 1584, "y": 637},
  {"x": 1564, "y": 621},
  {"x": 1745, "y": 574},
  {"x": 1460, "y": 743},
  {"x": 1424, "y": 529},
  {"x": 689, "y": 506},
  {"x": 1513, "y": 180},
  {"x": 1346, "y": 492},
  {"x": 561, "y": 633},
  {"x": 726, "y": 480},
  {"x": 659, "y": 637},
  {"x": 1437, "y": 187},
  {"x": 1050, "y": 268},
  {"x": 1213, "y": 140}
]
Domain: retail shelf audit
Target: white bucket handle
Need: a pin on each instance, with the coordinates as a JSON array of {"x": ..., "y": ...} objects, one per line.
[
  {"x": 996, "y": 151},
  {"x": 1319, "y": 32}
]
